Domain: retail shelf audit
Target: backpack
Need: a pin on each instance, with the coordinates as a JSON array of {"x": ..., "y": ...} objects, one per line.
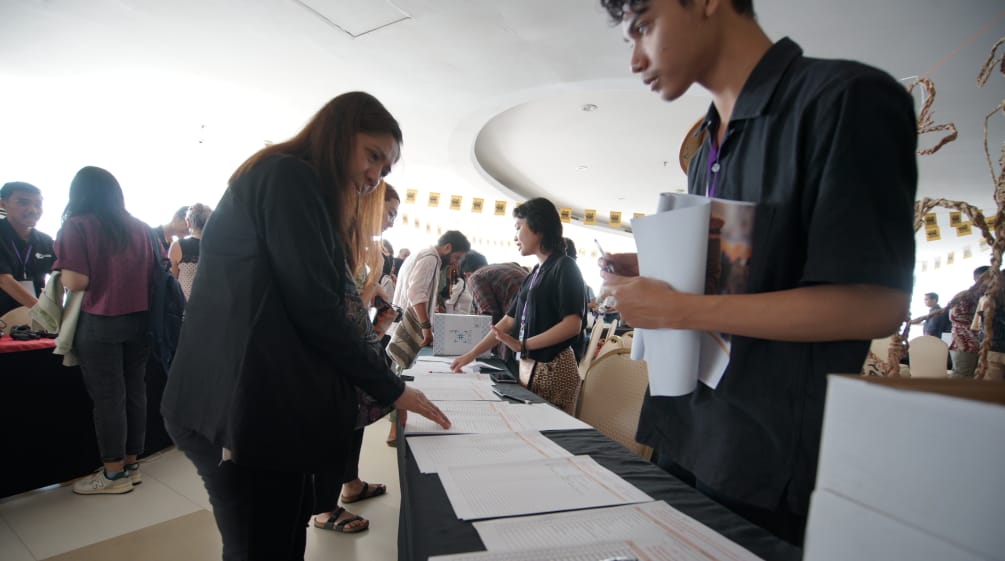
[{"x": 167, "y": 307}]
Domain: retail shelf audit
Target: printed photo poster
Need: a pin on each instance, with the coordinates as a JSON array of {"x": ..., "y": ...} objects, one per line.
[
  {"x": 700, "y": 246},
  {"x": 727, "y": 270}
]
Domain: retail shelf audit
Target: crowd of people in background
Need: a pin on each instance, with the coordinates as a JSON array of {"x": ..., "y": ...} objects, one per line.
[{"x": 963, "y": 318}]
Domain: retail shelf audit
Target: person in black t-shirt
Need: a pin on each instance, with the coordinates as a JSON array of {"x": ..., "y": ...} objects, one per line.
[
  {"x": 826, "y": 149},
  {"x": 936, "y": 321},
  {"x": 25, "y": 253},
  {"x": 176, "y": 228},
  {"x": 545, "y": 321}
]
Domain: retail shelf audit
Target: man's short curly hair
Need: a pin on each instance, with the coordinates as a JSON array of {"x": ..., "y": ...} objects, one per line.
[{"x": 617, "y": 9}]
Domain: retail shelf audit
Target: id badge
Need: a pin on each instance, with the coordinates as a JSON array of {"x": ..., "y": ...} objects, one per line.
[
  {"x": 519, "y": 355},
  {"x": 29, "y": 286}
]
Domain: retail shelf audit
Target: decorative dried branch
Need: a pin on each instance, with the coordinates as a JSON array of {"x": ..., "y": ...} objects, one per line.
[
  {"x": 995, "y": 285},
  {"x": 925, "y": 118}
]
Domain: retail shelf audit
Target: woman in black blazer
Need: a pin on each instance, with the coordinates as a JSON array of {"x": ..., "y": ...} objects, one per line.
[{"x": 276, "y": 342}]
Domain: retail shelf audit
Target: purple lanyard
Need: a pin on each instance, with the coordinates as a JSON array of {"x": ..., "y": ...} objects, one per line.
[
  {"x": 712, "y": 174},
  {"x": 523, "y": 316},
  {"x": 24, "y": 261}
]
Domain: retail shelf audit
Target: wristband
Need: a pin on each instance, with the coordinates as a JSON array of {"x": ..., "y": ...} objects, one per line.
[
  {"x": 523, "y": 348},
  {"x": 426, "y": 325}
]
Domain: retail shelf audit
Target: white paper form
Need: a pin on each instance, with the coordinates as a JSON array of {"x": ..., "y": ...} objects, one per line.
[
  {"x": 541, "y": 416},
  {"x": 513, "y": 489},
  {"x": 465, "y": 392},
  {"x": 466, "y": 417},
  {"x": 423, "y": 368},
  {"x": 433, "y": 452},
  {"x": 655, "y": 520},
  {"x": 642, "y": 550},
  {"x": 447, "y": 379},
  {"x": 455, "y": 387},
  {"x": 672, "y": 247}
]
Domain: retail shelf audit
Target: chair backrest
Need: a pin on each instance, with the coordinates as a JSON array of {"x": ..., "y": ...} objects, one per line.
[
  {"x": 610, "y": 398},
  {"x": 18, "y": 316},
  {"x": 928, "y": 357},
  {"x": 877, "y": 359},
  {"x": 612, "y": 329},
  {"x": 591, "y": 348}
]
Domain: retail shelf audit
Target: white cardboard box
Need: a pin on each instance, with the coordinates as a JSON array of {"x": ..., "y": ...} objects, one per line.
[
  {"x": 930, "y": 462},
  {"x": 456, "y": 334},
  {"x": 842, "y": 530}
]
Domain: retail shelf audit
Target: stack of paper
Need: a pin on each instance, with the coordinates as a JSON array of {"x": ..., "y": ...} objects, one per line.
[
  {"x": 435, "y": 452},
  {"x": 473, "y": 417},
  {"x": 510, "y": 489},
  {"x": 638, "y": 522}
]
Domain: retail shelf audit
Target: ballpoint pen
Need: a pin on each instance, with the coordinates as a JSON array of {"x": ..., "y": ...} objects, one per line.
[{"x": 500, "y": 394}]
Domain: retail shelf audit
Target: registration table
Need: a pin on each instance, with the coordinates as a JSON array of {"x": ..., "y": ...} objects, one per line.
[
  {"x": 46, "y": 419},
  {"x": 428, "y": 525}
]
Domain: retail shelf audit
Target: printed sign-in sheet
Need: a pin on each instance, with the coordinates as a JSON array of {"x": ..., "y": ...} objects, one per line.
[
  {"x": 512, "y": 489},
  {"x": 435, "y": 451},
  {"x": 655, "y": 520}
]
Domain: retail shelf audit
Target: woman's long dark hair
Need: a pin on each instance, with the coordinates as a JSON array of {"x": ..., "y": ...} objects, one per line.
[
  {"x": 325, "y": 143},
  {"x": 96, "y": 191}
]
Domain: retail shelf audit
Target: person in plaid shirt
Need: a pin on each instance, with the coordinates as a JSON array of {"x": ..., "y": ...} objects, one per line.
[{"x": 493, "y": 289}]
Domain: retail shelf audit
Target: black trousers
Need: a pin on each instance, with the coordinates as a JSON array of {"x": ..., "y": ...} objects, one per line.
[
  {"x": 262, "y": 514},
  {"x": 328, "y": 485}
]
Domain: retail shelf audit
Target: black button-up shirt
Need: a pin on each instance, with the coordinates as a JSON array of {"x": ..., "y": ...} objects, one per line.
[
  {"x": 827, "y": 150},
  {"x": 24, "y": 260}
]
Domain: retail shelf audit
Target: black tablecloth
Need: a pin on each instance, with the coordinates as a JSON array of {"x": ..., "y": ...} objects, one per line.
[
  {"x": 428, "y": 526},
  {"x": 47, "y": 433}
]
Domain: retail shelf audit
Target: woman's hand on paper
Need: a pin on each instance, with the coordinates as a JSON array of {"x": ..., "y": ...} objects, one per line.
[
  {"x": 414, "y": 400},
  {"x": 506, "y": 339},
  {"x": 460, "y": 362}
]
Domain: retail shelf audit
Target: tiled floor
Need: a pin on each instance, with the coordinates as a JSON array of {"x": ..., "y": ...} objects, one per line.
[{"x": 168, "y": 517}]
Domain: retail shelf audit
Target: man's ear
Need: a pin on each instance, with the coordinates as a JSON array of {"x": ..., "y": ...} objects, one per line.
[
  {"x": 446, "y": 249},
  {"x": 711, "y": 7}
]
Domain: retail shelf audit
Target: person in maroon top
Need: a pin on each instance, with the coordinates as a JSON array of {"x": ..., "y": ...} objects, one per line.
[{"x": 105, "y": 252}]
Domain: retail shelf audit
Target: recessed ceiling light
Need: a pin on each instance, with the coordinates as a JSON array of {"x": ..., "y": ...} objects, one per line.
[{"x": 589, "y": 107}]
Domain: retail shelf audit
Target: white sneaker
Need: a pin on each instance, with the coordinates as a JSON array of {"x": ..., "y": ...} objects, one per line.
[
  {"x": 98, "y": 484},
  {"x": 134, "y": 475}
]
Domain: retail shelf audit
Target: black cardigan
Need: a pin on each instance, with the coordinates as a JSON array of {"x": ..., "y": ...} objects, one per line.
[{"x": 275, "y": 335}]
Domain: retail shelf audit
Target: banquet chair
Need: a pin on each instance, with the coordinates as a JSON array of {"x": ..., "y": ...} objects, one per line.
[
  {"x": 928, "y": 357},
  {"x": 877, "y": 360},
  {"x": 610, "y": 398},
  {"x": 18, "y": 316},
  {"x": 591, "y": 348}
]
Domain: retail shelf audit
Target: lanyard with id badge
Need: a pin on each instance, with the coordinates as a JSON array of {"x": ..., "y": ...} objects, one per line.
[
  {"x": 25, "y": 282},
  {"x": 526, "y": 365}
]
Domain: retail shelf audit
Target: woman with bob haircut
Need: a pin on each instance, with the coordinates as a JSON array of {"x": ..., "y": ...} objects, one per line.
[
  {"x": 108, "y": 254},
  {"x": 546, "y": 320},
  {"x": 277, "y": 345}
]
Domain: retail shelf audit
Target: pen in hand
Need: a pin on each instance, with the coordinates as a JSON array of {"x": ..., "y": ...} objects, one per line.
[{"x": 608, "y": 266}]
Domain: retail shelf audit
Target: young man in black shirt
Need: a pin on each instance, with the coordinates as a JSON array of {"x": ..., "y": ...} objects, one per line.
[
  {"x": 827, "y": 150},
  {"x": 25, "y": 253}
]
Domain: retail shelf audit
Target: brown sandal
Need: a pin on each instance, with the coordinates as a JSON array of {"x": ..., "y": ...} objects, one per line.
[
  {"x": 367, "y": 492},
  {"x": 340, "y": 527}
]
